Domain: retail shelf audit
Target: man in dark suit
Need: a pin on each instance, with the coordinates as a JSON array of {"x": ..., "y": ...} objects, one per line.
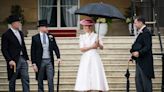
[
  {"x": 43, "y": 45},
  {"x": 14, "y": 50},
  {"x": 143, "y": 57}
]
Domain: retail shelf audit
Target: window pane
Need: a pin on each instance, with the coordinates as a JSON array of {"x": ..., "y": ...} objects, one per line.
[
  {"x": 53, "y": 22},
  {"x": 69, "y": 2},
  {"x": 68, "y": 18},
  {"x": 48, "y": 10},
  {"x": 47, "y": 2}
]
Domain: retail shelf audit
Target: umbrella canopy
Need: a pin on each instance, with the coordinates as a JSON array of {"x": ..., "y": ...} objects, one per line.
[{"x": 100, "y": 10}]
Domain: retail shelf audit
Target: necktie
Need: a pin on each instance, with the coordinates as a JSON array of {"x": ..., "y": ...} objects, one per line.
[
  {"x": 18, "y": 37},
  {"x": 44, "y": 38}
]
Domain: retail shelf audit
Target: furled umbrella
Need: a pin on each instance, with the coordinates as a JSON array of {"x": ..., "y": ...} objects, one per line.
[
  {"x": 58, "y": 77},
  {"x": 127, "y": 75},
  {"x": 14, "y": 67}
]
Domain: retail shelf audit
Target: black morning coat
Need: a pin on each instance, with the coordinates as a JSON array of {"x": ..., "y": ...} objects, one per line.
[
  {"x": 37, "y": 51},
  {"x": 11, "y": 49},
  {"x": 145, "y": 59}
]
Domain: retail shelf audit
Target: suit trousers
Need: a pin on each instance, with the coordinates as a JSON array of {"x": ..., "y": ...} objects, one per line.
[
  {"x": 143, "y": 83},
  {"x": 22, "y": 69},
  {"x": 46, "y": 68}
]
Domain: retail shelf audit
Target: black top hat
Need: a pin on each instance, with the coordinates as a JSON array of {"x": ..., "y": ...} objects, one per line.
[
  {"x": 13, "y": 18},
  {"x": 42, "y": 23}
]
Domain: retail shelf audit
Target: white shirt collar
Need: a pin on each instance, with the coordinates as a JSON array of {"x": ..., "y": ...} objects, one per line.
[
  {"x": 41, "y": 33},
  {"x": 87, "y": 34},
  {"x": 14, "y": 30},
  {"x": 140, "y": 30}
]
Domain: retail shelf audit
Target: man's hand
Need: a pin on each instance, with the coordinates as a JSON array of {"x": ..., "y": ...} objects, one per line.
[
  {"x": 130, "y": 60},
  {"x": 135, "y": 54},
  {"x": 12, "y": 64},
  {"x": 35, "y": 68},
  {"x": 59, "y": 61}
]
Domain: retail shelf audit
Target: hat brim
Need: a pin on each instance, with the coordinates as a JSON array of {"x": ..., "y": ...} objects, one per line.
[
  {"x": 85, "y": 24},
  {"x": 13, "y": 18},
  {"x": 42, "y": 26},
  {"x": 10, "y": 22}
]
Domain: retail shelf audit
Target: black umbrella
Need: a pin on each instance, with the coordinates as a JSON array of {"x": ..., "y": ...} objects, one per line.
[
  {"x": 100, "y": 10},
  {"x": 58, "y": 77},
  {"x": 127, "y": 75}
]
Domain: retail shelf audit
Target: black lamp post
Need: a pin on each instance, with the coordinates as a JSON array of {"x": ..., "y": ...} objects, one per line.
[{"x": 156, "y": 4}]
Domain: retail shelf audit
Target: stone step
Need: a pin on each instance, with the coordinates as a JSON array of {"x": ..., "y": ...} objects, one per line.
[
  {"x": 71, "y": 85},
  {"x": 130, "y": 38},
  {"x": 65, "y": 73},
  {"x": 106, "y": 67},
  {"x": 108, "y": 60},
  {"x": 106, "y": 46},
  {"x": 73, "y": 79},
  {"x": 117, "y": 62},
  {"x": 106, "y": 39},
  {"x": 77, "y": 57},
  {"x": 109, "y": 73},
  {"x": 71, "y": 90},
  {"x": 105, "y": 51},
  {"x": 119, "y": 72}
]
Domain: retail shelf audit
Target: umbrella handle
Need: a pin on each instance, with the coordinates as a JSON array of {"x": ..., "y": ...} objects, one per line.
[
  {"x": 98, "y": 32},
  {"x": 14, "y": 68},
  {"x": 58, "y": 66}
]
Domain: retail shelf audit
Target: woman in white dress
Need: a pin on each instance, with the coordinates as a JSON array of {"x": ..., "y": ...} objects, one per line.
[{"x": 91, "y": 75}]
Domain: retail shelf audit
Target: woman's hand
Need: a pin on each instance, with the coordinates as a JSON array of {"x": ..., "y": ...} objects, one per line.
[
  {"x": 95, "y": 45},
  {"x": 98, "y": 44}
]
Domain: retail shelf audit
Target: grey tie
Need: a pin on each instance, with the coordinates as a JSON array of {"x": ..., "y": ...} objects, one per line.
[
  {"x": 18, "y": 37},
  {"x": 44, "y": 38}
]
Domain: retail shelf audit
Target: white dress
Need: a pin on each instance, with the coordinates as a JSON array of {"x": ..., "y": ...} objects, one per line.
[{"x": 91, "y": 75}]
